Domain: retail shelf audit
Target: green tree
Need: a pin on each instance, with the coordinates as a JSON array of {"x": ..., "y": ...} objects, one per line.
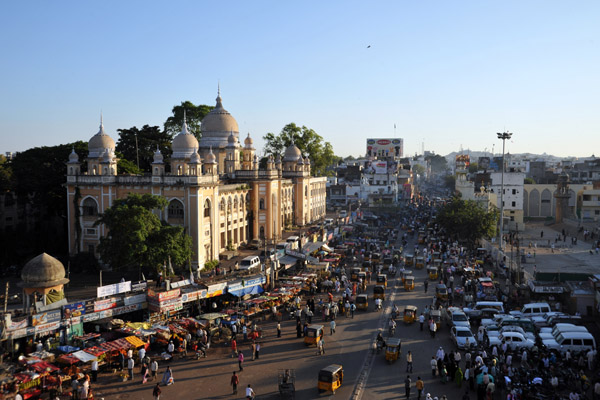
[
  {"x": 6, "y": 183},
  {"x": 137, "y": 237},
  {"x": 418, "y": 169},
  {"x": 194, "y": 115},
  {"x": 465, "y": 220},
  {"x": 308, "y": 141},
  {"x": 529, "y": 181},
  {"x": 438, "y": 163},
  {"x": 149, "y": 138},
  {"x": 450, "y": 181},
  {"x": 473, "y": 168}
]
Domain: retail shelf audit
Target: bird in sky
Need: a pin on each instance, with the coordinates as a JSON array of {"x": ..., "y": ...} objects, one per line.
[{"x": 369, "y": 46}]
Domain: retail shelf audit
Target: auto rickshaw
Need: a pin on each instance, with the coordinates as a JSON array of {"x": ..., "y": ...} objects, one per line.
[
  {"x": 409, "y": 260},
  {"x": 432, "y": 272},
  {"x": 393, "y": 349},
  {"x": 354, "y": 274},
  {"x": 410, "y": 314},
  {"x": 330, "y": 378},
  {"x": 437, "y": 262},
  {"x": 436, "y": 315},
  {"x": 441, "y": 292},
  {"x": 314, "y": 333},
  {"x": 405, "y": 273},
  {"x": 382, "y": 280},
  {"x": 379, "y": 292},
  {"x": 419, "y": 262},
  {"x": 436, "y": 255},
  {"x": 362, "y": 302},
  {"x": 409, "y": 283},
  {"x": 421, "y": 236}
]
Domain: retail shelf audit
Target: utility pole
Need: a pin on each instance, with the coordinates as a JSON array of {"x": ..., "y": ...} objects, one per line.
[
  {"x": 6, "y": 299},
  {"x": 137, "y": 152}
]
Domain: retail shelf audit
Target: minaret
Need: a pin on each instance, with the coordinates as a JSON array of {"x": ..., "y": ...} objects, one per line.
[
  {"x": 232, "y": 156},
  {"x": 73, "y": 166},
  {"x": 158, "y": 166},
  {"x": 248, "y": 154},
  {"x": 195, "y": 166},
  {"x": 210, "y": 163}
]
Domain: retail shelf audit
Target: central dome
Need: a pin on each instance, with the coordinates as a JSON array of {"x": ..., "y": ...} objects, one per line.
[
  {"x": 292, "y": 153},
  {"x": 100, "y": 142},
  {"x": 217, "y": 125},
  {"x": 43, "y": 271}
]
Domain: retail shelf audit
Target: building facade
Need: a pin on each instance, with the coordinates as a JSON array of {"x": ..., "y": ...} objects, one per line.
[{"x": 215, "y": 189}]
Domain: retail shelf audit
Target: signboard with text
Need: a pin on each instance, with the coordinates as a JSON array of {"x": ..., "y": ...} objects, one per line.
[
  {"x": 74, "y": 310},
  {"x": 45, "y": 317},
  {"x": 109, "y": 290},
  {"x": 385, "y": 147}
]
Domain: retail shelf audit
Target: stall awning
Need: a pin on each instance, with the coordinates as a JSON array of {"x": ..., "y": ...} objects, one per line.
[
  {"x": 287, "y": 261},
  {"x": 327, "y": 248},
  {"x": 311, "y": 247},
  {"x": 247, "y": 290},
  {"x": 135, "y": 341},
  {"x": 83, "y": 356}
]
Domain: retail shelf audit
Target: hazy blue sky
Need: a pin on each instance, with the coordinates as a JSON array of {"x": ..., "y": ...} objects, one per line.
[{"x": 447, "y": 73}]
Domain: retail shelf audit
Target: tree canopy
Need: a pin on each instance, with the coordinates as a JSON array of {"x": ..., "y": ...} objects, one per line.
[
  {"x": 465, "y": 220},
  {"x": 137, "y": 237},
  {"x": 438, "y": 163},
  {"x": 308, "y": 141},
  {"x": 194, "y": 115},
  {"x": 149, "y": 138},
  {"x": 418, "y": 169}
]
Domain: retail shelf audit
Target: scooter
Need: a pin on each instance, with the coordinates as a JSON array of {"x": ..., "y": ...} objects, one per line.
[{"x": 200, "y": 349}]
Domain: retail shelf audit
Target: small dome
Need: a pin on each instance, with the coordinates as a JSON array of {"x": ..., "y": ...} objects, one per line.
[
  {"x": 210, "y": 157},
  {"x": 184, "y": 143},
  {"x": 195, "y": 159},
  {"x": 292, "y": 153},
  {"x": 300, "y": 161},
  {"x": 248, "y": 141},
  {"x": 231, "y": 141},
  {"x": 278, "y": 159},
  {"x": 158, "y": 157},
  {"x": 107, "y": 156},
  {"x": 99, "y": 142},
  {"x": 73, "y": 157},
  {"x": 307, "y": 161},
  {"x": 43, "y": 271}
]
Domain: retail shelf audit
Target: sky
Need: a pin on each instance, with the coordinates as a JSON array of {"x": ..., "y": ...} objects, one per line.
[{"x": 446, "y": 74}]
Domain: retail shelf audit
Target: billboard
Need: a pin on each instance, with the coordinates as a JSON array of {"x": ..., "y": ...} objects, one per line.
[
  {"x": 380, "y": 167},
  {"x": 382, "y": 147}
]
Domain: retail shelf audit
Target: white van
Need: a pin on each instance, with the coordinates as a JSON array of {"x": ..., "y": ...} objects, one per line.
[
  {"x": 250, "y": 263},
  {"x": 535, "y": 309},
  {"x": 573, "y": 341},
  {"x": 552, "y": 333},
  {"x": 475, "y": 312}
]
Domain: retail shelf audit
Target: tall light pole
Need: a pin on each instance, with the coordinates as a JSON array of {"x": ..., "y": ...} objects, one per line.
[{"x": 503, "y": 136}]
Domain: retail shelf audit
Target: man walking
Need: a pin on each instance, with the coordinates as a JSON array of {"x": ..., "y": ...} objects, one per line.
[
  {"x": 278, "y": 329},
  {"x": 409, "y": 362},
  {"x": 241, "y": 361},
  {"x": 419, "y": 385},
  {"x": 235, "y": 381},
  {"x": 433, "y": 364},
  {"x": 156, "y": 392},
  {"x": 426, "y": 284},
  {"x": 421, "y": 321},
  {"x": 407, "y": 383},
  {"x": 332, "y": 326},
  {"x": 253, "y": 350},
  {"x": 130, "y": 365}
]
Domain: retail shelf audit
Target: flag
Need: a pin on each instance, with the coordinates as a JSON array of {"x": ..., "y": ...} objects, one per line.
[{"x": 394, "y": 126}]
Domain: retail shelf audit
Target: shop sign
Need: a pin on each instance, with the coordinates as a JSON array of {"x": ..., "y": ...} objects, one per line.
[
  {"x": 106, "y": 304},
  {"x": 170, "y": 305},
  {"x": 140, "y": 286},
  {"x": 138, "y": 298},
  {"x": 45, "y": 317},
  {"x": 194, "y": 295},
  {"x": 163, "y": 296},
  {"x": 216, "y": 289},
  {"x": 116, "y": 288},
  {"x": 74, "y": 310},
  {"x": 246, "y": 283},
  {"x": 17, "y": 325},
  {"x": 178, "y": 284},
  {"x": 76, "y": 320},
  {"x": 89, "y": 306}
]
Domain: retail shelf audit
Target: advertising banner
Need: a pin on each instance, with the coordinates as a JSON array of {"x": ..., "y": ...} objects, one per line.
[
  {"x": 15, "y": 325},
  {"x": 113, "y": 289},
  {"x": 390, "y": 147},
  {"x": 140, "y": 286},
  {"x": 45, "y": 317},
  {"x": 106, "y": 304},
  {"x": 74, "y": 310},
  {"x": 216, "y": 289},
  {"x": 193, "y": 295},
  {"x": 138, "y": 298}
]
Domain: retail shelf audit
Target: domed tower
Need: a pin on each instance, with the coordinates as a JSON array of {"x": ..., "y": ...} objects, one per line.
[
  {"x": 158, "y": 166},
  {"x": 217, "y": 126},
  {"x": 247, "y": 153},
  {"x": 195, "y": 164},
  {"x": 232, "y": 155},
  {"x": 307, "y": 164},
  {"x": 210, "y": 163},
  {"x": 291, "y": 156},
  {"x": 108, "y": 165},
  {"x": 43, "y": 277},
  {"x": 562, "y": 196},
  {"x": 73, "y": 166},
  {"x": 97, "y": 147},
  {"x": 184, "y": 145}
]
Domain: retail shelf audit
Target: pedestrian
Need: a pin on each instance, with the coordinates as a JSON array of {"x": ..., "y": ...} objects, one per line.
[
  {"x": 95, "y": 370},
  {"x": 409, "y": 362},
  {"x": 332, "y": 326},
  {"x": 321, "y": 347},
  {"x": 74, "y": 388},
  {"x": 245, "y": 331},
  {"x": 144, "y": 371},
  {"x": 253, "y": 350},
  {"x": 458, "y": 377},
  {"x": 298, "y": 329},
  {"x": 421, "y": 321},
  {"x": 249, "y": 393},
  {"x": 156, "y": 392},
  {"x": 433, "y": 329},
  {"x": 241, "y": 360},
  {"x": 426, "y": 284},
  {"x": 121, "y": 361},
  {"x": 433, "y": 364},
  {"x": 153, "y": 369},
  {"x": 352, "y": 309},
  {"x": 235, "y": 381},
  {"x": 130, "y": 365},
  {"x": 168, "y": 377},
  {"x": 234, "y": 350},
  {"x": 419, "y": 385},
  {"x": 257, "y": 350},
  {"x": 407, "y": 383},
  {"x": 278, "y": 329},
  {"x": 171, "y": 347}
]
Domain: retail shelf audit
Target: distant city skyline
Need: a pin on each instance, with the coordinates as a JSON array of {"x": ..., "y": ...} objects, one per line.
[{"x": 446, "y": 74}]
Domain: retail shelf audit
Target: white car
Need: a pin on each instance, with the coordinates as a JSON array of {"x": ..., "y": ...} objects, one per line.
[
  {"x": 463, "y": 337},
  {"x": 493, "y": 335},
  {"x": 514, "y": 340},
  {"x": 456, "y": 317}
]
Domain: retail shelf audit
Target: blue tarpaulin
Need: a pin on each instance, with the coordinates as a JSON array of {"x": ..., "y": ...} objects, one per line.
[{"x": 247, "y": 290}]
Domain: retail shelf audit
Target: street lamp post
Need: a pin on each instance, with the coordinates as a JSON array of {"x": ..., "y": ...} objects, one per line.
[{"x": 503, "y": 136}]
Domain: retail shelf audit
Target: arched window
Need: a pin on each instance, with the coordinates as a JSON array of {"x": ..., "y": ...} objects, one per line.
[
  {"x": 222, "y": 206},
  {"x": 175, "y": 210},
  {"x": 207, "y": 208},
  {"x": 235, "y": 203},
  {"x": 179, "y": 170},
  {"x": 90, "y": 207}
]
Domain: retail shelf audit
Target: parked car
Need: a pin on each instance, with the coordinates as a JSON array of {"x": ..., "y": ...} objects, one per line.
[
  {"x": 456, "y": 317},
  {"x": 573, "y": 341},
  {"x": 255, "y": 244},
  {"x": 552, "y": 333},
  {"x": 463, "y": 337},
  {"x": 510, "y": 328},
  {"x": 514, "y": 341}
]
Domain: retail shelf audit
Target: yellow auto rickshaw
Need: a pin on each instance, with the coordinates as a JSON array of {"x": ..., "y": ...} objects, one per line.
[
  {"x": 393, "y": 349},
  {"x": 362, "y": 302},
  {"x": 382, "y": 280},
  {"x": 409, "y": 283},
  {"x": 409, "y": 260},
  {"x": 436, "y": 254},
  {"x": 441, "y": 292},
  {"x": 436, "y": 315},
  {"x": 419, "y": 262},
  {"x": 410, "y": 314},
  {"x": 432, "y": 272},
  {"x": 314, "y": 333},
  {"x": 330, "y": 378},
  {"x": 421, "y": 236},
  {"x": 405, "y": 273},
  {"x": 379, "y": 292},
  {"x": 437, "y": 262},
  {"x": 354, "y": 274}
]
